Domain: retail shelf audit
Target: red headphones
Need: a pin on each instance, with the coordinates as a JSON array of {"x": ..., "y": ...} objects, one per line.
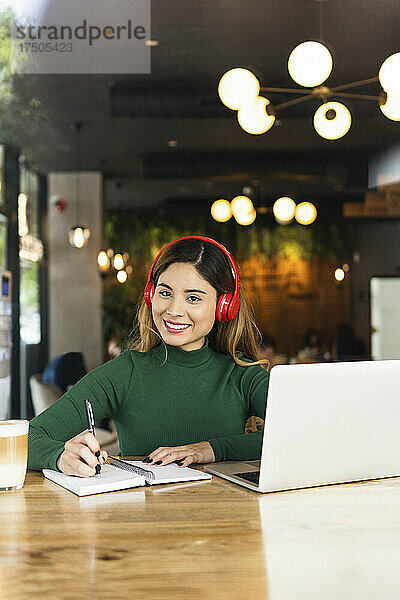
[{"x": 227, "y": 305}]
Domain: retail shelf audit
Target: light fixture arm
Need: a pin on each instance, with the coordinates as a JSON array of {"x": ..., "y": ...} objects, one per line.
[
  {"x": 304, "y": 98},
  {"x": 347, "y": 86},
  {"x": 274, "y": 90},
  {"x": 359, "y": 96},
  {"x": 322, "y": 92}
]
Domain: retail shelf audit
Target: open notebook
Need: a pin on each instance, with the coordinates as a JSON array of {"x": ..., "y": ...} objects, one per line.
[{"x": 120, "y": 475}]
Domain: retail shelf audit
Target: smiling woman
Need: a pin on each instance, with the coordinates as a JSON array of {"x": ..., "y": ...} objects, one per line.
[
  {"x": 210, "y": 267},
  {"x": 186, "y": 386}
]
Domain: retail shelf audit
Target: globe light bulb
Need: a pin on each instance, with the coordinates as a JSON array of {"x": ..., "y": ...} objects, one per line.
[
  {"x": 221, "y": 210},
  {"x": 122, "y": 276},
  {"x": 246, "y": 218},
  {"x": 102, "y": 260},
  {"x": 305, "y": 213},
  {"x": 391, "y": 108},
  {"x": 79, "y": 236},
  {"x": 339, "y": 274},
  {"x": 310, "y": 64},
  {"x": 253, "y": 117},
  {"x": 284, "y": 209},
  {"x": 389, "y": 73},
  {"x": 237, "y": 88},
  {"x": 332, "y": 120},
  {"x": 241, "y": 206},
  {"x": 118, "y": 262}
]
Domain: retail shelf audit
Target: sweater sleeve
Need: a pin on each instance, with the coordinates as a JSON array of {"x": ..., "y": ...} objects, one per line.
[
  {"x": 246, "y": 446},
  {"x": 105, "y": 387}
]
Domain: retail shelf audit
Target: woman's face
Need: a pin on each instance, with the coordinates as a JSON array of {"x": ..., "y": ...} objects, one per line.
[{"x": 183, "y": 306}]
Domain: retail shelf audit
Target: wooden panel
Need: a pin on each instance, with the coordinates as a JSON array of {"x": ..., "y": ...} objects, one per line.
[{"x": 293, "y": 295}]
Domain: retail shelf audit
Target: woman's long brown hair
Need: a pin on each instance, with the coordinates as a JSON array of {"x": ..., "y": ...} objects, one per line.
[{"x": 231, "y": 337}]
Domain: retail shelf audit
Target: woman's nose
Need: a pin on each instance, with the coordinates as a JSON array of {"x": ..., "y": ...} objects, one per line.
[{"x": 176, "y": 306}]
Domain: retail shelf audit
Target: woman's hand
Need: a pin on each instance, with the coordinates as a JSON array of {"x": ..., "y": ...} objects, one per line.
[
  {"x": 79, "y": 457},
  {"x": 201, "y": 452}
]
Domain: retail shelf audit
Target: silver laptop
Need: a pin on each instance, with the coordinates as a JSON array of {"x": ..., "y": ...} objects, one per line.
[{"x": 325, "y": 423}]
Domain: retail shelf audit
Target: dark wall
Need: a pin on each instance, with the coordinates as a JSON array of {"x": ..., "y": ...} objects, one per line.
[{"x": 378, "y": 245}]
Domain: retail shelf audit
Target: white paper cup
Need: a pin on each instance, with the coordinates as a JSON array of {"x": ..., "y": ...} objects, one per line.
[{"x": 13, "y": 453}]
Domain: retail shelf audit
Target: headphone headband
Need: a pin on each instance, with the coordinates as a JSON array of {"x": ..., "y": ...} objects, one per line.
[{"x": 228, "y": 304}]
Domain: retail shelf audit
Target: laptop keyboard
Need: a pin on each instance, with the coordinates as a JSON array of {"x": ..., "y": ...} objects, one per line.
[{"x": 253, "y": 476}]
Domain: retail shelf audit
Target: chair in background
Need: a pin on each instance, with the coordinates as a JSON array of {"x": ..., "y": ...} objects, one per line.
[
  {"x": 65, "y": 370},
  {"x": 45, "y": 394}
]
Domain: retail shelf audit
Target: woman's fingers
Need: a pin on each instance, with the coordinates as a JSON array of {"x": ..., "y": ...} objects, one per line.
[
  {"x": 73, "y": 465},
  {"x": 89, "y": 440},
  {"x": 78, "y": 457},
  {"x": 82, "y": 469},
  {"x": 164, "y": 455},
  {"x": 87, "y": 455},
  {"x": 200, "y": 452},
  {"x": 188, "y": 461}
]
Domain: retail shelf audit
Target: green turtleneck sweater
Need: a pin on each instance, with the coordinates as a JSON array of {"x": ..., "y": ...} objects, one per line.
[{"x": 191, "y": 397}]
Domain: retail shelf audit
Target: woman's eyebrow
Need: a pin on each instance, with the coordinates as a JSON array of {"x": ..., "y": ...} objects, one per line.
[
  {"x": 165, "y": 285},
  {"x": 185, "y": 291}
]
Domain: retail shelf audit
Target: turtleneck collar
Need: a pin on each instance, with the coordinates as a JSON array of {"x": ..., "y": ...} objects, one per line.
[{"x": 184, "y": 358}]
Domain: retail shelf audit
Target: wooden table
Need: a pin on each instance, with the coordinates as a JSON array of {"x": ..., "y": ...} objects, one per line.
[{"x": 211, "y": 540}]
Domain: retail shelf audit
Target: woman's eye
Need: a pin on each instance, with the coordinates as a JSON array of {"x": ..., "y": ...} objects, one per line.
[
  {"x": 163, "y": 293},
  {"x": 194, "y": 299}
]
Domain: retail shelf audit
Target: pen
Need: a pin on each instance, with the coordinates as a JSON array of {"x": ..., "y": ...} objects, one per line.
[{"x": 90, "y": 426}]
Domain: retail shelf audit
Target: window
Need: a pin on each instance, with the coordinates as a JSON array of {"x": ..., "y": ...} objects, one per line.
[{"x": 28, "y": 216}]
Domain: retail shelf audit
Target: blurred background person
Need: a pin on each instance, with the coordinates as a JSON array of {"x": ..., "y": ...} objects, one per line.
[{"x": 314, "y": 349}]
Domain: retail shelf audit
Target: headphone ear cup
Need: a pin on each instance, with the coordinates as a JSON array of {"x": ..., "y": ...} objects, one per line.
[
  {"x": 149, "y": 293},
  {"x": 227, "y": 307},
  {"x": 233, "y": 307},
  {"x": 222, "y": 307}
]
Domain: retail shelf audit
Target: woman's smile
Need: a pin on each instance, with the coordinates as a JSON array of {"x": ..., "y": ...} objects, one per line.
[{"x": 174, "y": 327}]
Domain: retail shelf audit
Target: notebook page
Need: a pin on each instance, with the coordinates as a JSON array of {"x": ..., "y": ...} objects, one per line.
[
  {"x": 171, "y": 473},
  {"x": 110, "y": 479}
]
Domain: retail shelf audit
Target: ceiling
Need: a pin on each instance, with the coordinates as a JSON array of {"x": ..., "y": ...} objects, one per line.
[{"x": 199, "y": 41}]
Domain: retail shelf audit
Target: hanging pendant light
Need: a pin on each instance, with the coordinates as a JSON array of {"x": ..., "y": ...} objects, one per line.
[
  {"x": 332, "y": 120},
  {"x": 253, "y": 117},
  {"x": 389, "y": 73},
  {"x": 122, "y": 276},
  {"x": 103, "y": 260},
  {"x": 246, "y": 218},
  {"x": 243, "y": 210},
  {"x": 284, "y": 209},
  {"x": 78, "y": 235},
  {"x": 391, "y": 108},
  {"x": 118, "y": 262},
  {"x": 310, "y": 64},
  {"x": 241, "y": 205},
  {"x": 237, "y": 87},
  {"x": 305, "y": 213},
  {"x": 221, "y": 210}
]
